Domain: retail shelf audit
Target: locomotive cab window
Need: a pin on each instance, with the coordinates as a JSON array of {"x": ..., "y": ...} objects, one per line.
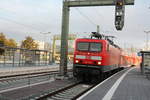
[
  {"x": 89, "y": 46},
  {"x": 82, "y": 46},
  {"x": 95, "y": 47}
]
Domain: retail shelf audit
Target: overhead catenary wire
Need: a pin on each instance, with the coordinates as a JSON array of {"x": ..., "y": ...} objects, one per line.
[
  {"x": 13, "y": 21},
  {"x": 14, "y": 14},
  {"x": 85, "y": 16},
  {"x": 104, "y": 19},
  {"x": 9, "y": 18}
]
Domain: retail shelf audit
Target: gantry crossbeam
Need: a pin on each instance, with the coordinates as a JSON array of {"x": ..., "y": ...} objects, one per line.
[{"x": 83, "y": 3}]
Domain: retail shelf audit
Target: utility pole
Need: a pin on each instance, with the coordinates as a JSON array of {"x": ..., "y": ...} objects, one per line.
[
  {"x": 44, "y": 41},
  {"x": 45, "y": 34},
  {"x": 53, "y": 48},
  {"x": 147, "y": 39}
]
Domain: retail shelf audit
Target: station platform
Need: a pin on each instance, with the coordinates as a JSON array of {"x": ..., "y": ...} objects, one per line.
[
  {"x": 8, "y": 71},
  {"x": 128, "y": 84}
]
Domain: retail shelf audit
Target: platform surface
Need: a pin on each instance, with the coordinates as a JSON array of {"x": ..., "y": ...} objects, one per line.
[{"x": 129, "y": 84}]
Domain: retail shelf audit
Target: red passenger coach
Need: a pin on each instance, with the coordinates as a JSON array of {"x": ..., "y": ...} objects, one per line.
[{"x": 95, "y": 56}]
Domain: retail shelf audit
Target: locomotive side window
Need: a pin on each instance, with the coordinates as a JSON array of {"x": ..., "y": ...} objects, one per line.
[
  {"x": 83, "y": 46},
  {"x": 95, "y": 47}
]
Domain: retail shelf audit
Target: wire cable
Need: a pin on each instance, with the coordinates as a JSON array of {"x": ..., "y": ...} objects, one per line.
[
  {"x": 85, "y": 16},
  {"x": 13, "y": 21}
]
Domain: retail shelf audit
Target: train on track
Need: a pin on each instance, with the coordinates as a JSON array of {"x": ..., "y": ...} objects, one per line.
[{"x": 98, "y": 55}]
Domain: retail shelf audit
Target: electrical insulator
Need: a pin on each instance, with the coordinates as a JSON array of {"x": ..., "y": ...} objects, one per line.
[{"x": 119, "y": 14}]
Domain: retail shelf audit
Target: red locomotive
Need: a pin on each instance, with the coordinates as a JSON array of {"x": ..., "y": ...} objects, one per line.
[{"x": 96, "y": 56}]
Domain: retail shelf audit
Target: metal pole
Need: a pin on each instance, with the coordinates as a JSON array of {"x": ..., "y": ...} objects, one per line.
[
  {"x": 19, "y": 56},
  {"x": 98, "y": 31},
  {"x": 147, "y": 39},
  {"x": 49, "y": 59},
  {"x": 45, "y": 38},
  {"x": 53, "y": 49},
  {"x": 46, "y": 58},
  {"x": 64, "y": 39},
  {"x": 13, "y": 57},
  {"x": 4, "y": 56}
]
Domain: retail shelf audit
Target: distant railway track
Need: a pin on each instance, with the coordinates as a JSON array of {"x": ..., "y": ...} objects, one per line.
[
  {"x": 33, "y": 74},
  {"x": 8, "y": 82}
]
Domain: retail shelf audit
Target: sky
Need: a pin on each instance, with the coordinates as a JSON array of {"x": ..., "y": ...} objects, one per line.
[{"x": 21, "y": 18}]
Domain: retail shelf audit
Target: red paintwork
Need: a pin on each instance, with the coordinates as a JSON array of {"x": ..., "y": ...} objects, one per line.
[
  {"x": 127, "y": 60},
  {"x": 108, "y": 58},
  {"x": 111, "y": 58}
]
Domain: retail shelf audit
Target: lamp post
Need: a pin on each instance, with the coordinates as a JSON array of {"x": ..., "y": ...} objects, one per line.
[
  {"x": 147, "y": 39},
  {"x": 49, "y": 47},
  {"x": 45, "y": 34},
  {"x": 44, "y": 38}
]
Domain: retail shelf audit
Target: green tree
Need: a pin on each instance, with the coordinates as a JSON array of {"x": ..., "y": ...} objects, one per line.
[{"x": 29, "y": 43}]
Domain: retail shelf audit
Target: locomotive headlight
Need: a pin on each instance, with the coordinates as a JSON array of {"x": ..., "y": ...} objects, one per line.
[
  {"x": 99, "y": 63},
  {"x": 80, "y": 57},
  {"x": 77, "y": 61},
  {"x": 96, "y": 57}
]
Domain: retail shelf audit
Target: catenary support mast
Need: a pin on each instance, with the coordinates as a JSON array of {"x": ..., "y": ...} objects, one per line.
[{"x": 84, "y": 3}]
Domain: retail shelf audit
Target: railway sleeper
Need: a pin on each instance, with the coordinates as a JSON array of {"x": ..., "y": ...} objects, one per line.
[
  {"x": 65, "y": 96},
  {"x": 58, "y": 98}
]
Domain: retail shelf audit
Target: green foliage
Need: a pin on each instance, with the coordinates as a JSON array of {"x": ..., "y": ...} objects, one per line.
[{"x": 29, "y": 43}]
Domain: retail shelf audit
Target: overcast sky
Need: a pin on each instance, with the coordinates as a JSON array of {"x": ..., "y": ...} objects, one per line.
[{"x": 21, "y": 18}]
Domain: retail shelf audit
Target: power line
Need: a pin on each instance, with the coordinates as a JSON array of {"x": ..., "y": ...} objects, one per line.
[
  {"x": 85, "y": 16},
  {"x": 103, "y": 18},
  {"x": 27, "y": 26},
  {"x": 16, "y": 14}
]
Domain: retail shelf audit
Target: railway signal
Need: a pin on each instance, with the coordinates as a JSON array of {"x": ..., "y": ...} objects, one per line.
[{"x": 119, "y": 14}]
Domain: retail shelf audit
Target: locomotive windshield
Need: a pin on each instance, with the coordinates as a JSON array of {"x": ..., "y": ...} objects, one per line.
[{"x": 89, "y": 46}]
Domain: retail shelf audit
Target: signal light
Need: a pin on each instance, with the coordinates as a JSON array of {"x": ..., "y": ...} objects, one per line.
[
  {"x": 119, "y": 3},
  {"x": 119, "y": 14}
]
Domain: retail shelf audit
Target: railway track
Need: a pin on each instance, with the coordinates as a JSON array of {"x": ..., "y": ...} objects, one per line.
[
  {"x": 56, "y": 90},
  {"x": 29, "y": 75},
  {"x": 71, "y": 92}
]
